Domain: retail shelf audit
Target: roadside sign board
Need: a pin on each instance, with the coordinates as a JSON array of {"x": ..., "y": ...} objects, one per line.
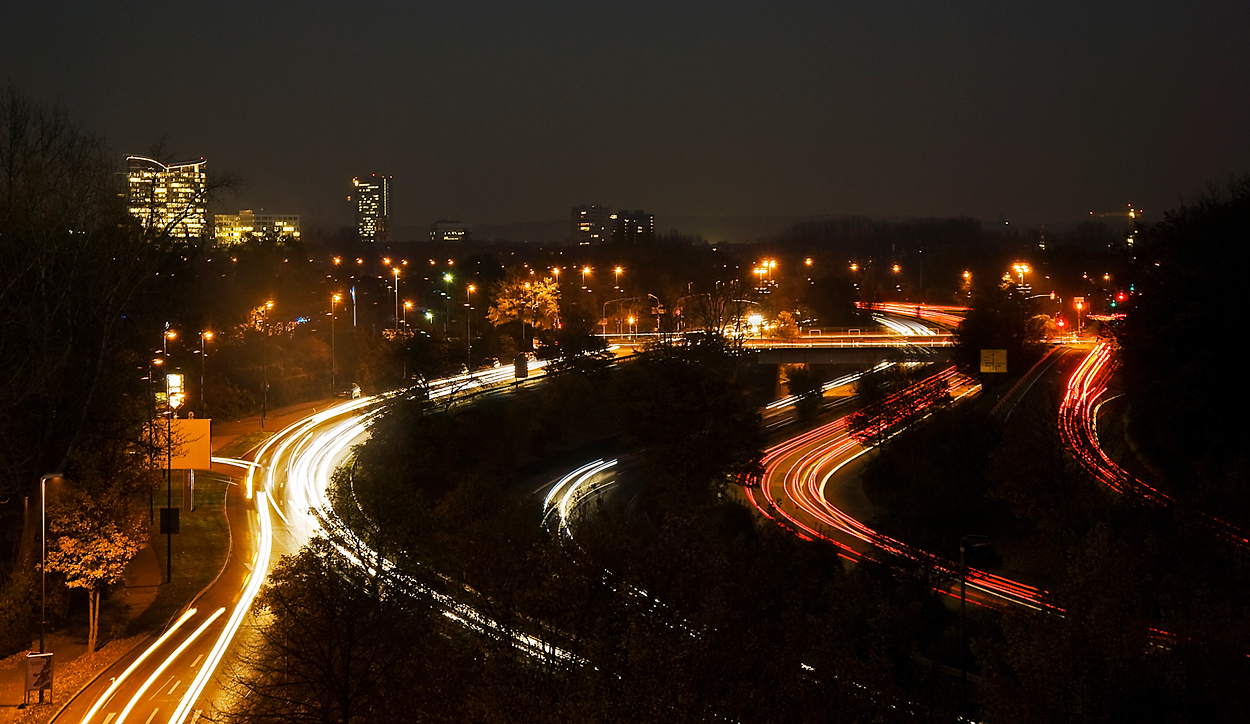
[
  {"x": 993, "y": 360},
  {"x": 38, "y": 672},
  {"x": 192, "y": 444}
]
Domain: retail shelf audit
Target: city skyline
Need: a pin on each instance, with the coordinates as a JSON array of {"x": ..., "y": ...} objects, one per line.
[{"x": 508, "y": 113}]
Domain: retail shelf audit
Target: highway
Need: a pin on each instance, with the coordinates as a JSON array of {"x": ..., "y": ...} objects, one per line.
[
  {"x": 177, "y": 676},
  {"x": 1083, "y": 398},
  {"x": 803, "y": 488}
]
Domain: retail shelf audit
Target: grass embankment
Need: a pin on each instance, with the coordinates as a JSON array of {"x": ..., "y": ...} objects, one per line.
[
  {"x": 242, "y": 444},
  {"x": 200, "y": 549},
  {"x": 70, "y": 677}
]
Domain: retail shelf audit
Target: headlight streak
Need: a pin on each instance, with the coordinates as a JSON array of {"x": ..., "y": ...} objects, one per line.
[
  {"x": 165, "y": 664},
  {"x": 947, "y": 316},
  {"x": 264, "y": 547},
  {"x": 314, "y": 460},
  {"x": 572, "y": 490},
  {"x": 103, "y": 698},
  {"x": 1078, "y": 425},
  {"x": 904, "y": 327}
]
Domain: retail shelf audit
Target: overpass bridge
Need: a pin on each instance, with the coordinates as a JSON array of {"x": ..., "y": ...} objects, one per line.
[{"x": 865, "y": 349}]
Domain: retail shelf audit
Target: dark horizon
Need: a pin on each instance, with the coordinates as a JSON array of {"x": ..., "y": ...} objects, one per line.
[{"x": 494, "y": 113}]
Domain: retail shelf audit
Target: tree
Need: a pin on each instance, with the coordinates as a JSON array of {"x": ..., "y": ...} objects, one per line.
[
  {"x": 805, "y": 383},
  {"x": 1186, "y": 416},
  {"x": 891, "y": 400},
  {"x": 576, "y": 348},
  {"x": 94, "y": 540},
  {"x": 521, "y": 297},
  {"x": 786, "y": 326},
  {"x": 999, "y": 318},
  {"x": 73, "y": 265},
  {"x": 339, "y": 647}
]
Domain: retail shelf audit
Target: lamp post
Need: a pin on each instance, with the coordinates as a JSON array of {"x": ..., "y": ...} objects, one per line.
[
  {"x": 204, "y": 337},
  {"x": 447, "y": 279},
  {"x": 585, "y": 271},
  {"x": 468, "y": 329},
  {"x": 1021, "y": 269},
  {"x": 968, "y": 541},
  {"x": 395, "y": 272},
  {"x": 617, "y": 283},
  {"x": 173, "y": 396},
  {"x": 43, "y": 560},
  {"x": 334, "y": 300},
  {"x": 169, "y": 334},
  {"x": 264, "y": 361}
]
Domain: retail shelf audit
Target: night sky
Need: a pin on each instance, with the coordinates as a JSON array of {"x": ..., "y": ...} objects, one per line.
[{"x": 496, "y": 112}]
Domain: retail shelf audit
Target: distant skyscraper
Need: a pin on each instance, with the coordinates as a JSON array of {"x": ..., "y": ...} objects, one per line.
[
  {"x": 232, "y": 229},
  {"x": 168, "y": 198},
  {"x": 590, "y": 225},
  {"x": 373, "y": 207},
  {"x": 630, "y": 227}
]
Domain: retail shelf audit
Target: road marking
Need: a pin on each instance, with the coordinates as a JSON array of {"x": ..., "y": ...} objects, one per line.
[
  {"x": 196, "y": 718},
  {"x": 135, "y": 664},
  {"x": 171, "y": 689},
  {"x": 109, "y": 718},
  {"x": 197, "y": 660},
  {"x": 151, "y": 716},
  {"x": 247, "y": 578},
  {"x": 158, "y": 689}
]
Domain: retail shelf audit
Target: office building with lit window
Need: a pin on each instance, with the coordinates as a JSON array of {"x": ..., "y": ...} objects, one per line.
[
  {"x": 231, "y": 229},
  {"x": 373, "y": 207},
  {"x": 168, "y": 198},
  {"x": 631, "y": 227},
  {"x": 590, "y": 225},
  {"x": 450, "y": 231}
]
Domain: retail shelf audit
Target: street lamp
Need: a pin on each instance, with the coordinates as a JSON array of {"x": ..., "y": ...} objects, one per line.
[
  {"x": 617, "y": 283},
  {"x": 468, "y": 331},
  {"x": 43, "y": 561},
  {"x": 173, "y": 396},
  {"x": 334, "y": 300},
  {"x": 1021, "y": 268},
  {"x": 447, "y": 279},
  {"x": 264, "y": 361},
  {"x": 585, "y": 271},
  {"x": 968, "y": 541},
  {"x": 204, "y": 337},
  {"x": 395, "y": 271}
]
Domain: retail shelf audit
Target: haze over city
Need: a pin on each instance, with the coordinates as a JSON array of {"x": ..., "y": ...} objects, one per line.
[{"x": 498, "y": 112}]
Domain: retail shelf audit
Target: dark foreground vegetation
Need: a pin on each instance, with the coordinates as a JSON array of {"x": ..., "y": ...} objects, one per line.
[
  {"x": 1155, "y": 625},
  {"x": 681, "y": 606}
]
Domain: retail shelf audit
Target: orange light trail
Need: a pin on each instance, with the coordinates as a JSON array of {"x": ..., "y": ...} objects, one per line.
[
  {"x": 1078, "y": 425},
  {"x": 803, "y": 481}
]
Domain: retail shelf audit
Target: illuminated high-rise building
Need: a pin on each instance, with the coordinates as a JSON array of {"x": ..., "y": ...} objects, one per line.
[
  {"x": 168, "y": 198},
  {"x": 373, "y": 207},
  {"x": 590, "y": 225},
  {"x": 631, "y": 227},
  {"x": 231, "y": 229}
]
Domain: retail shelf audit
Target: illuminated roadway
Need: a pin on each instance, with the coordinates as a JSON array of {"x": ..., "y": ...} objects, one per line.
[
  {"x": 1085, "y": 394},
  {"x": 178, "y": 676}
]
